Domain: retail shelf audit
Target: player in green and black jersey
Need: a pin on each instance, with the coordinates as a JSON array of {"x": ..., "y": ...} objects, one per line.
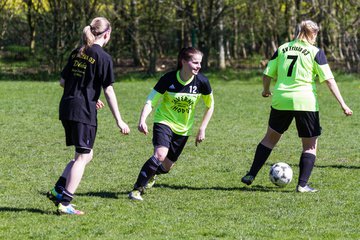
[
  {"x": 180, "y": 92},
  {"x": 88, "y": 70},
  {"x": 296, "y": 65}
]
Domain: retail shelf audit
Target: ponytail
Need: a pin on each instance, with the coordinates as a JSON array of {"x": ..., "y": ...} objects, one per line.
[
  {"x": 96, "y": 29},
  {"x": 88, "y": 39},
  {"x": 307, "y": 30}
]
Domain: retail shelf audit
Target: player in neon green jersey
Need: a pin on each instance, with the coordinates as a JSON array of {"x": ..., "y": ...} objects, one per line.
[
  {"x": 296, "y": 65},
  {"x": 180, "y": 91}
]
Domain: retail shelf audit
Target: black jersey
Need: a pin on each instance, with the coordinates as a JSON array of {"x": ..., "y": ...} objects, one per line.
[{"x": 84, "y": 76}]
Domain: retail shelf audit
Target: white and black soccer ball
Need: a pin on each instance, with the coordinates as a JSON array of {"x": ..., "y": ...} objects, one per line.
[{"x": 280, "y": 174}]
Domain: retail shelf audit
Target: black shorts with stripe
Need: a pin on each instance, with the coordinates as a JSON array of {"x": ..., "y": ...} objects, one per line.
[
  {"x": 81, "y": 135},
  {"x": 164, "y": 136},
  {"x": 307, "y": 122}
]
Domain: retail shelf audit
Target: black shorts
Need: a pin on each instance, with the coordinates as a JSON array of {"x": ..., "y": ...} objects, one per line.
[
  {"x": 81, "y": 135},
  {"x": 307, "y": 122},
  {"x": 164, "y": 136}
]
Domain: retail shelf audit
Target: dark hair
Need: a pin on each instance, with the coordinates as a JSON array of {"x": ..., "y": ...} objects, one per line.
[{"x": 186, "y": 54}]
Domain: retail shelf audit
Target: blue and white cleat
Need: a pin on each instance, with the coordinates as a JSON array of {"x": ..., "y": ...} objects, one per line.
[{"x": 69, "y": 209}]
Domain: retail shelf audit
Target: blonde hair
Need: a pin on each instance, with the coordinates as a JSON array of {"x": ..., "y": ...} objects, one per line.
[
  {"x": 307, "y": 30},
  {"x": 95, "y": 30}
]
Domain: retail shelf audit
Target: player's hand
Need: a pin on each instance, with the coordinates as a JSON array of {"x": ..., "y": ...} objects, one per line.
[
  {"x": 200, "y": 137},
  {"x": 347, "y": 110},
  {"x": 124, "y": 128},
  {"x": 99, "y": 104},
  {"x": 142, "y": 127},
  {"x": 266, "y": 93}
]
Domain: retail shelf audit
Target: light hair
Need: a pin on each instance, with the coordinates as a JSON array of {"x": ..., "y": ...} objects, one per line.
[
  {"x": 95, "y": 30},
  {"x": 307, "y": 30}
]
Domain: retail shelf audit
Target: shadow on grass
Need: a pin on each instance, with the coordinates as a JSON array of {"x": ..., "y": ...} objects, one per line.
[
  {"x": 102, "y": 194},
  {"x": 338, "y": 166},
  {"x": 32, "y": 210},
  {"x": 255, "y": 188}
]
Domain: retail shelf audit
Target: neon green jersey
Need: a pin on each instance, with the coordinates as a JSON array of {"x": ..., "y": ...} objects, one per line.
[
  {"x": 295, "y": 65},
  {"x": 179, "y": 99}
]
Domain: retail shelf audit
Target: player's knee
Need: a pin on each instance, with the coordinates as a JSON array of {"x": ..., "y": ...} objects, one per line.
[{"x": 160, "y": 156}]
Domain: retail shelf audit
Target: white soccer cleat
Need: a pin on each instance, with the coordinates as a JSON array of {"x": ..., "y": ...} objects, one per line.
[
  {"x": 307, "y": 188},
  {"x": 135, "y": 195}
]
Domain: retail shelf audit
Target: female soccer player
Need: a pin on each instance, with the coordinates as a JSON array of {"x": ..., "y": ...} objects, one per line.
[
  {"x": 295, "y": 65},
  {"x": 180, "y": 91},
  {"x": 89, "y": 69}
]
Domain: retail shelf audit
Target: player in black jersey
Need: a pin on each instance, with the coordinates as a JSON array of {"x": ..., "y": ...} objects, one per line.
[{"x": 88, "y": 70}]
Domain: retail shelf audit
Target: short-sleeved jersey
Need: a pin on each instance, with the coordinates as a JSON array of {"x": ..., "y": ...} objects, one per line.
[
  {"x": 179, "y": 99},
  {"x": 84, "y": 76},
  {"x": 295, "y": 65}
]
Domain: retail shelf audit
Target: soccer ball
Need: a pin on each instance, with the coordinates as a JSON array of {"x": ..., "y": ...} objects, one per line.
[{"x": 280, "y": 174}]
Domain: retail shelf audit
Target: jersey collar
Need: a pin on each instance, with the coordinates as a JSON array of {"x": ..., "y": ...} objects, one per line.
[{"x": 181, "y": 81}]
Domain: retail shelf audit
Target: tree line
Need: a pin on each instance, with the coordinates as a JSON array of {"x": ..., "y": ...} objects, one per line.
[{"x": 226, "y": 31}]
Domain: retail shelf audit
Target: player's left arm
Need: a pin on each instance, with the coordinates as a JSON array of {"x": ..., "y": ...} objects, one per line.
[
  {"x": 334, "y": 89},
  {"x": 209, "y": 102}
]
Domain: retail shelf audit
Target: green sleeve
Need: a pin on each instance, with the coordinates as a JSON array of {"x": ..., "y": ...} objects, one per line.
[
  {"x": 324, "y": 72},
  {"x": 208, "y": 100}
]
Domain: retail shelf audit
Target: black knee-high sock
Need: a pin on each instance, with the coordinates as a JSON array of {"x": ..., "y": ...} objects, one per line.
[
  {"x": 161, "y": 170},
  {"x": 66, "y": 198},
  {"x": 306, "y": 165},
  {"x": 261, "y": 155},
  {"x": 147, "y": 171},
  {"x": 60, "y": 184}
]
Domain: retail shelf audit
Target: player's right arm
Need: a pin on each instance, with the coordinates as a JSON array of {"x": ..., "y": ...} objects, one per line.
[
  {"x": 151, "y": 101},
  {"x": 266, "y": 85}
]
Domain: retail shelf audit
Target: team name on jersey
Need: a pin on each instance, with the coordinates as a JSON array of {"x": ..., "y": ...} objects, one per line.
[
  {"x": 85, "y": 57},
  {"x": 183, "y": 104},
  {"x": 295, "y": 48}
]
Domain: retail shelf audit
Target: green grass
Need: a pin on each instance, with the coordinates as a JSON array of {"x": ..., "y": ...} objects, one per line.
[{"x": 202, "y": 197}]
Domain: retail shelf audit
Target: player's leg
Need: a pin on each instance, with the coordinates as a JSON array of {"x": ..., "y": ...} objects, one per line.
[
  {"x": 279, "y": 122},
  {"x": 148, "y": 171},
  {"x": 309, "y": 129},
  {"x": 262, "y": 153},
  {"x": 55, "y": 194},
  {"x": 306, "y": 165},
  {"x": 83, "y": 137},
  {"x": 177, "y": 145}
]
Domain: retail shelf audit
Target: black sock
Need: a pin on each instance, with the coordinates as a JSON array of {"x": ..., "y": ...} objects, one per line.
[
  {"x": 147, "y": 171},
  {"x": 261, "y": 155},
  {"x": 66, "y": 198},
  {"x": 306, "y": 165},
  {"x": 60, "y": 184},
  {"x": 161, "y": 170}
]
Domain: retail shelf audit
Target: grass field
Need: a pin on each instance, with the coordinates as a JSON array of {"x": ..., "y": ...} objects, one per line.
[{"x": 202, "y": 198}]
